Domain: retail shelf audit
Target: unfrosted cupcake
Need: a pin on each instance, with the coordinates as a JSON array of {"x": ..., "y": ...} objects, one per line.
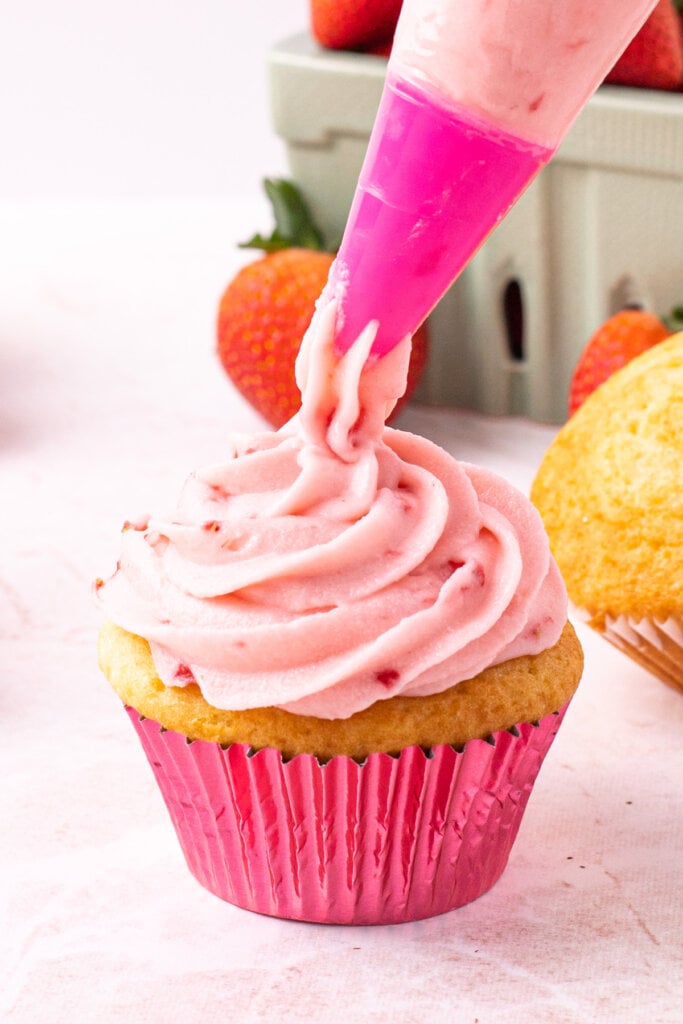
[
  {"x": 610, "y": 492},
  {"x": 346, "y": 656}
]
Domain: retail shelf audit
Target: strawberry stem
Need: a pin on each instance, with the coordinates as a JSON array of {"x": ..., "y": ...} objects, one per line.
[
  {"x": 294, "y": 224},
  {"x": 674, "y": 321}
]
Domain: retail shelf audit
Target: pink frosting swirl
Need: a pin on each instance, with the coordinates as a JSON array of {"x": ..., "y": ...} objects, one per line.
[{"x": 337, "y": 562}]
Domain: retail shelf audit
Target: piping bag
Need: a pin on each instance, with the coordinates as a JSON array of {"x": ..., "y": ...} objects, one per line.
[{"x": 477, "y": 98}]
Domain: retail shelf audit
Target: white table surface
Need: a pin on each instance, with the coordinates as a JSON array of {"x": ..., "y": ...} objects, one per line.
[{"x": 109, "y": 395}]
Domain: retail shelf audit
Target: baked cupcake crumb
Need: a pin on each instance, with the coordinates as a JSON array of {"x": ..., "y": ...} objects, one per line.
[{"x": 519, "y": 690}]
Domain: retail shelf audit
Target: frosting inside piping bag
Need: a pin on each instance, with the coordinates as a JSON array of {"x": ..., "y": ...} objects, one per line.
[{"x": 337, "y": 562}]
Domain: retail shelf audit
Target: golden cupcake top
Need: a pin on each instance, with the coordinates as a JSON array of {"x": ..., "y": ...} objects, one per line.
[
  {"x": 523, "y": 689},
  {"x": 610, "y": 491}
]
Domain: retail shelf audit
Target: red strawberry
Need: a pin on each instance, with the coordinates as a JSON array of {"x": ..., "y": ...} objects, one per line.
[
  {"x": 654, "y": 58},
  {"x": 263, "y": 315},
  {"x": 381, "y": 49},
  {"x": 354, "y": 24},
  {"x": 621, "y": 338},
  {"x": 266, "y": 308}
]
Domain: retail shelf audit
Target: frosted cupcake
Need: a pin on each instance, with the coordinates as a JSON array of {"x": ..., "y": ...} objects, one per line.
[
  {"x": 610, "y": 492},
  {"x": 366, "y": 645}
]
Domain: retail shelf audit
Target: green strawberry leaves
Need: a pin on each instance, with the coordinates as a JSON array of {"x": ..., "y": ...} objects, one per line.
[
  {"x": 674, "y": 321},
  {"x": 294, "y": 224}
]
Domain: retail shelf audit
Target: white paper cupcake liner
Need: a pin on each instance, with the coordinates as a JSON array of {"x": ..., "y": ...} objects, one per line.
[{"x": 656, "y": 644}]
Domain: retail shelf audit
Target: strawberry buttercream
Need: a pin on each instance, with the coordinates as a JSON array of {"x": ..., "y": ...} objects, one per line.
[
  {"x": 526, "y": 66},
  {"x": 337, "y": 562}
]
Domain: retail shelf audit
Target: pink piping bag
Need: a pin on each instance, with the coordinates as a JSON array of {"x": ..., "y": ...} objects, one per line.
[{"x": 477, "y": 98}]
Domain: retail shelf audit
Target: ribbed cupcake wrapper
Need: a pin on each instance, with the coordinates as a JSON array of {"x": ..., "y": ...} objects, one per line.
[
  {"x": 656, "y": 644},
  {"x": 389, "y": 840}
]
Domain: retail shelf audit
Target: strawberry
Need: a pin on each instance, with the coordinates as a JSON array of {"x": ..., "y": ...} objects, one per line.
[
  {"x": 381, "y": 49},
  {"x": 266, "y": 308},
  {"x": 354, "y": 24},
  {"x": 654, "y": 57},
  {"x": 617, "y": 341}
]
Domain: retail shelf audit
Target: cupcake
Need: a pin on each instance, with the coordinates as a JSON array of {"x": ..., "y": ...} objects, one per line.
[
  {"x": 346, "y": 656},
  {"x": 610, "y": 492}
]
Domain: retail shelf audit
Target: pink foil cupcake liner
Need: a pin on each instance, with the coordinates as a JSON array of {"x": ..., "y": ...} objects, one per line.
[
  {"x": 656, "y": 644},
  {"x": 388, "y": 840}
]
